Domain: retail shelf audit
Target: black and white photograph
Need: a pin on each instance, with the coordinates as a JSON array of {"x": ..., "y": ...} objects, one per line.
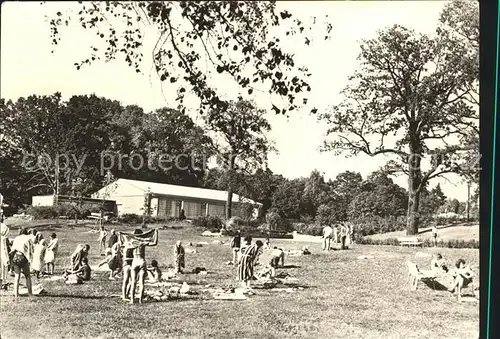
[{"x": 240, "y": 169}]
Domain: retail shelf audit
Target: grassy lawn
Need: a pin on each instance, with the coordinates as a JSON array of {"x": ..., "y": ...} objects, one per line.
[{"x": 345, "y": 298}]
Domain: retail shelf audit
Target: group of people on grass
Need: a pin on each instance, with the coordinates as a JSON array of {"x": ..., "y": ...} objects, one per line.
[
  {"x": 246, "y": 256},
  {"x": 458, "y": 278},
  {"x": 343, "y": 235},
  {"x": 28, "y": 253}
]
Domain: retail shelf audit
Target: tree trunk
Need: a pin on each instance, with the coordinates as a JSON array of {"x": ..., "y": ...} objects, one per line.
[
  {"x": 468, "y": 201},
  {"x": 414, "y": 189},
  {"x": 55, "y": 201},
  {"x": 229, "y": 200}
]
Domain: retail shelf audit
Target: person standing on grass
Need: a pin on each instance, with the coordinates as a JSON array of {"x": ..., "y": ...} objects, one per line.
[
  {"x": 51, "y": 253},
  {"x": 327, "y": 237},
  {"x": 179, "y": 256},
  {"x": 32, "y": 235},
  {"x": 113, "y": 238},
  {"x": 128, "y": 257},
  {"x": 22, "y": 248},
  {"x": 434, "y": 232},
  {"x": 4, "y": 252},
  {"x": 335, "y": 234},
  {"x": 139, "y": 268},
  {"x": 102, "y": 239},
  {"x": 343, "y": 236},
  {"x": 235, "y": 246},
  {"x": 38, "y": 255},
  {"x": 248, "y": 242},
  {"x": 248, "y": 259}
]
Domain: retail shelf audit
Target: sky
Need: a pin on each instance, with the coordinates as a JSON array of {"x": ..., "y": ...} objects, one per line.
[{"x": 28, "y": 67}]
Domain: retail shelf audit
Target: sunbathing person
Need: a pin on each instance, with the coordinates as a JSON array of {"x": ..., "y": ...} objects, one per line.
[
  {"x": 463, "y": 276},
  {"x": 277, "y": 255},
  {"x": 138, "y": 269},
  {"x": 83, "y": 272},
  {"x": 438, "y": 264},
  {"x": 154, "y": 273},
  {"x": 77, "y": 256}
]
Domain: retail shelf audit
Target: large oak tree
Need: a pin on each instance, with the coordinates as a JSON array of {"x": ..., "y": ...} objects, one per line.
[{"x": 410, "y": 99}]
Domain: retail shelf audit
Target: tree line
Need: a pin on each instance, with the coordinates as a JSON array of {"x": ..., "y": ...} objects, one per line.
[{"x": 414, "y": 97}]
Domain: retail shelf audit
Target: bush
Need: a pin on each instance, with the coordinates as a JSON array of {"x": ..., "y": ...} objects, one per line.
[
  {"x": 130, "y": 218},
  {"x": 309, "y": 229},
  {"x": 425, "y": 243},
  {"x": 374, "y": 224},
  {"x": 211, "y": 222},
  {"x": 42, "y": 212},
  {"x": 234, "y": 222}
]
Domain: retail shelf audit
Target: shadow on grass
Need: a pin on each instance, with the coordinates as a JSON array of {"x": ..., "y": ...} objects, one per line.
[
  {"x": 73, "y": 296},
  {"x": 437, "y": 286},
  {"x": 289, "y": 266}
]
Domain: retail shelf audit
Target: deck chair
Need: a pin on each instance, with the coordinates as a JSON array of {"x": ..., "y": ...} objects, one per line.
[{"x": 415, "y": 275}]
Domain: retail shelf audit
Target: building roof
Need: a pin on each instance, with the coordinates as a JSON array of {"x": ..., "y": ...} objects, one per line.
[{"x": 183, "y": 191}]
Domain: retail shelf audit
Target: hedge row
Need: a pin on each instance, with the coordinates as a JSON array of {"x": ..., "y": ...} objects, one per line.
[
  {"x": 67, "y": 210},
  {"x": 425, "y": 243}
]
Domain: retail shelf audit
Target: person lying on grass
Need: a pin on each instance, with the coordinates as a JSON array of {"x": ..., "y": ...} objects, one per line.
[
  {"x": 463, "y": 276},
  {"x": 154, "y": 273},
  {"x": 82, "y": 273}
]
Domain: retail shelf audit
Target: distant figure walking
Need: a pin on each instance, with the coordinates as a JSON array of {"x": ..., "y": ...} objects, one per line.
[
  {"x": 434, "y": 235},
  {"x": 327, "y": 237}
]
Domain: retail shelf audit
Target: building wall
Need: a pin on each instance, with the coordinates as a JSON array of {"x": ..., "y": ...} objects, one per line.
[
  {"x": 42, "y": 200},
  {"x": 130, "y": 205},
  {"x": 216, "y": 209}
]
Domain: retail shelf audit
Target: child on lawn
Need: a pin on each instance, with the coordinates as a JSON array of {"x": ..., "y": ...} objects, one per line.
[
  {"x": 154, "y": 273},
  {"x": 102, "y": 239},
  {"x": 82, "y": 273}
]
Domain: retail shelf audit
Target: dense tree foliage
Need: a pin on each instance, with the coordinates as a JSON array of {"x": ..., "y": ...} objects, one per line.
[{"x": 194, "y": 38}]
